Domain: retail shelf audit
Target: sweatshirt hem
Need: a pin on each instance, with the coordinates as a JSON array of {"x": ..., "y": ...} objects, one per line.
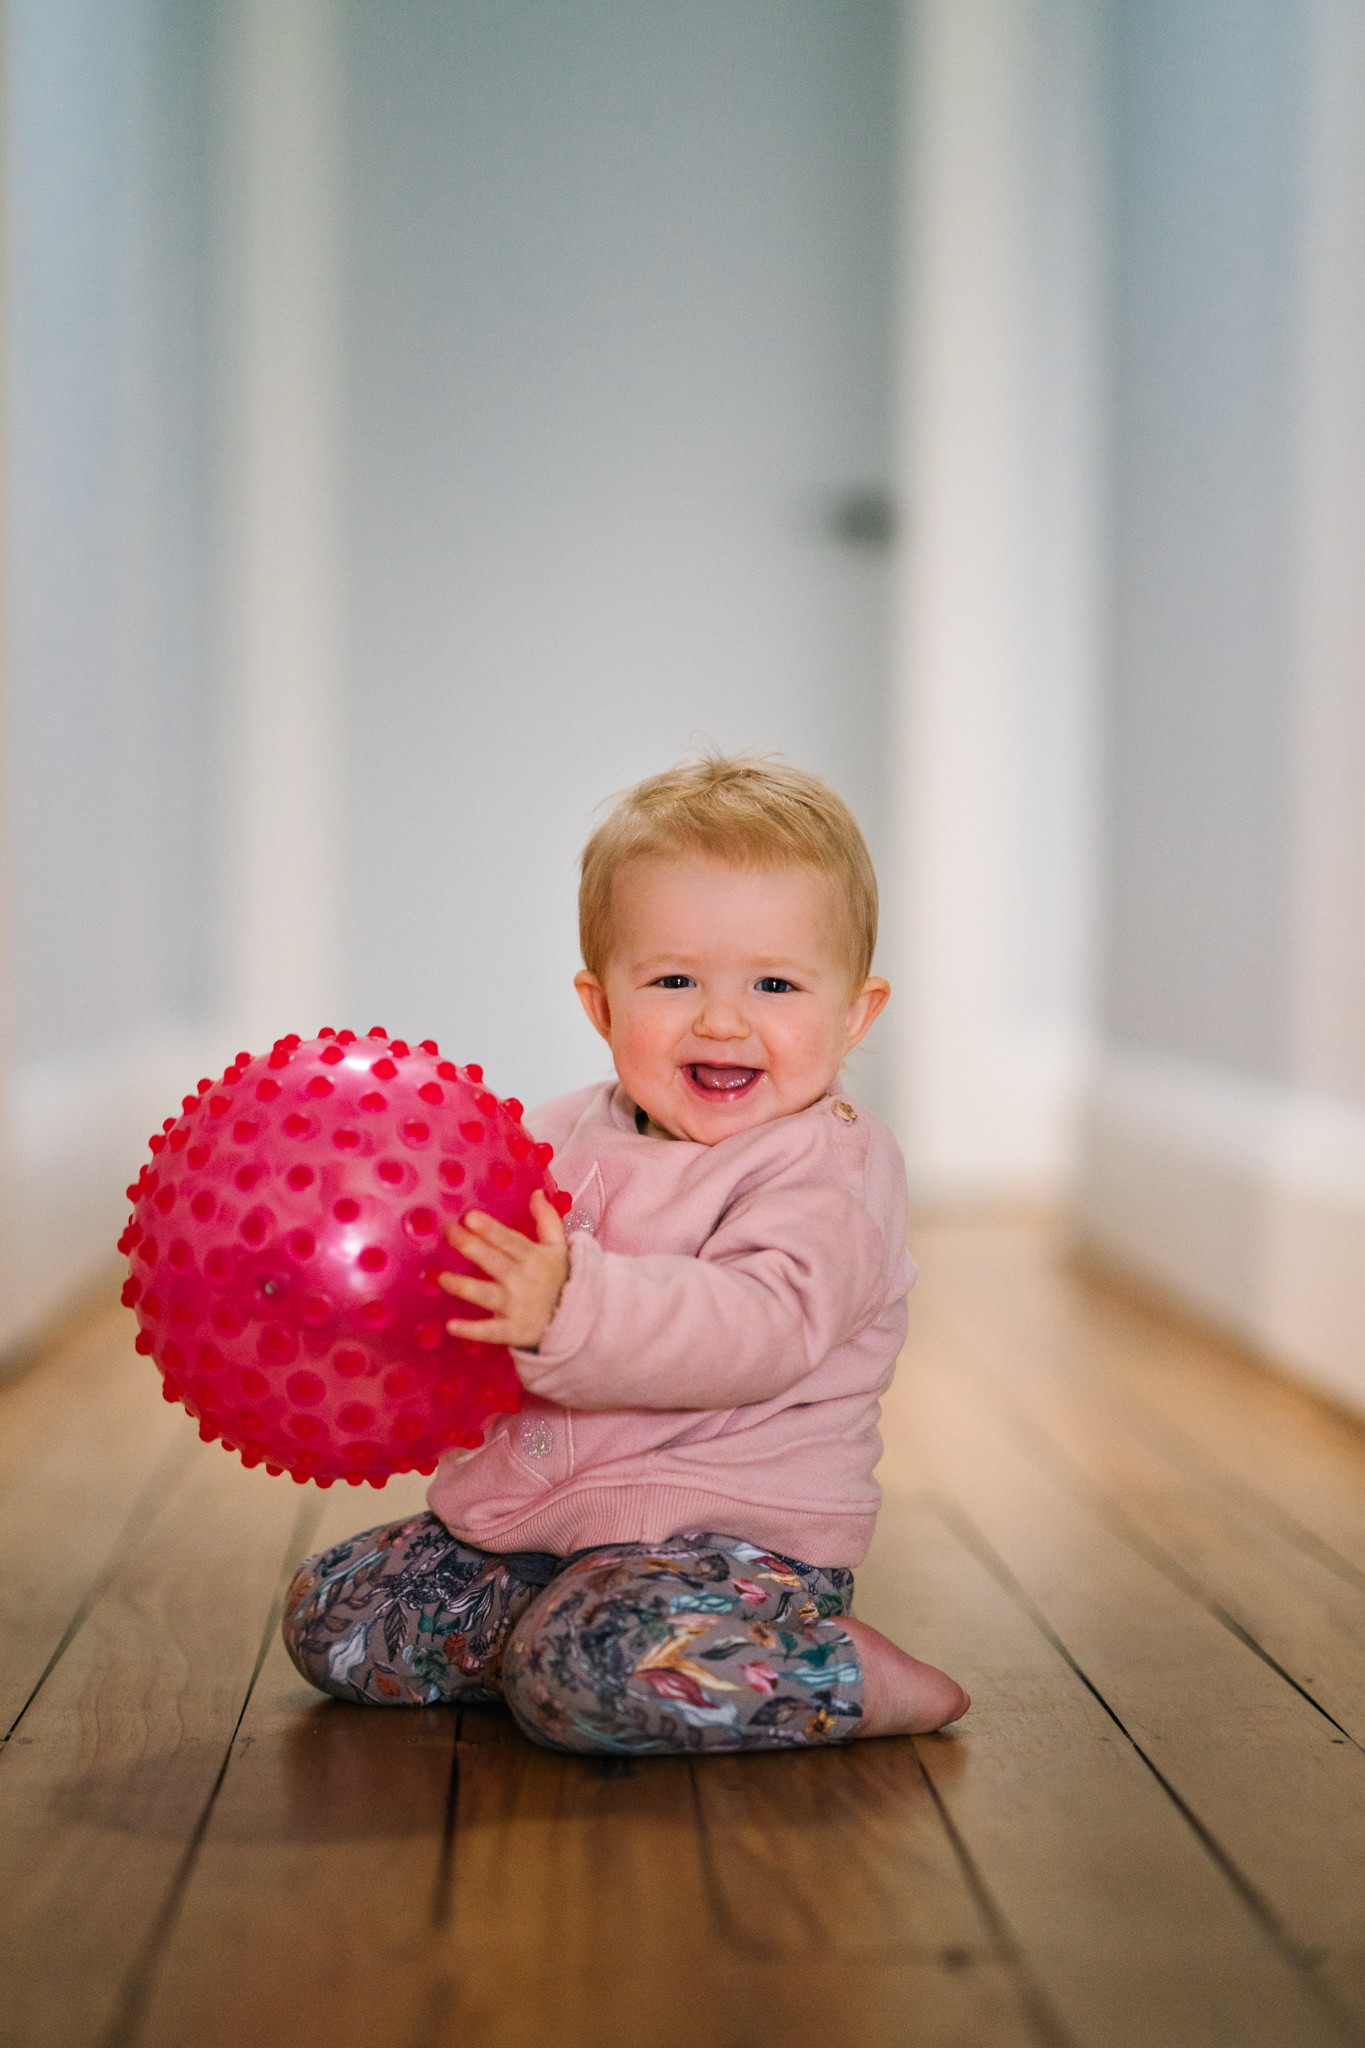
[{"x": 592, "y": 1516}]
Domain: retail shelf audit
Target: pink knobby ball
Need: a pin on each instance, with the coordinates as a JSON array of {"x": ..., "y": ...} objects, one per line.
[{"x": 284, "y": 1248}]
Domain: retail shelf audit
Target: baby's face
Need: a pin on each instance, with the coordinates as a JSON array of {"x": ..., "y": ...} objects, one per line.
[{"x": 726, "y": 1000}]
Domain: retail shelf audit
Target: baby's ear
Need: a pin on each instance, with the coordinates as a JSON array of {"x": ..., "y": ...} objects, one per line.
[
  {"x": 593, "y": 997},
  {"x": 868, "y": 1003}
]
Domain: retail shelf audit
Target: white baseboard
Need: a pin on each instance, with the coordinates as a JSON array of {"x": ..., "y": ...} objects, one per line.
[
  {"x": 76, "y": 1134},
  {"x": 987, "y": 1119},
  {"x": 1241, "y": 1198}
]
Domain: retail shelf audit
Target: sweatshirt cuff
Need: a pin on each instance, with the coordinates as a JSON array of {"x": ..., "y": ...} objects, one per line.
[{"x": 572, "y": 1321}]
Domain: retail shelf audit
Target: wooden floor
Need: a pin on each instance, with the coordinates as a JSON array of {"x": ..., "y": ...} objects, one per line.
[{"x": 1144, "y": 1557}]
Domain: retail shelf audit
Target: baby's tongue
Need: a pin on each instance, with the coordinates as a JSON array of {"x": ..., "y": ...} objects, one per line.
[{"x": 724, "y": 1080}]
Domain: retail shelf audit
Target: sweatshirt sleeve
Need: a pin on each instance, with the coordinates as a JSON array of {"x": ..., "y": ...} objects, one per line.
[{"x": 789, "y": 1272}]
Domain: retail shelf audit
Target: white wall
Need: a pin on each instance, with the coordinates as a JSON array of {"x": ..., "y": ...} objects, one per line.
[
  {"x": 279, "y": 478},
  {"x": 1226, "y": 1153},
  {"x": 112, "y": 800},
  {"x": 1130, "y": 642},
  {"x": 997, "y": 628}
]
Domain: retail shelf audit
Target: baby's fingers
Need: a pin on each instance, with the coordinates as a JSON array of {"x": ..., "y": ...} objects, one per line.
[
  {"x": 549, "y": 1222},
  {"x": 481, "y": 1252},
  {"x": 513, "y": 1244},
  {"x": 496, "y": 1330},
  {"x": 487, "y": 1293}
]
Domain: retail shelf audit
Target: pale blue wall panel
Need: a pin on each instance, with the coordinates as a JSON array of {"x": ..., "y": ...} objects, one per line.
[
  {"x": 112, "y": 745},
  {"x": 1209, "y": 144}
]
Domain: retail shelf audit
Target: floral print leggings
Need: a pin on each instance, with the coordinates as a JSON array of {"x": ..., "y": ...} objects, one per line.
[{"x": 698, "y": 1642}]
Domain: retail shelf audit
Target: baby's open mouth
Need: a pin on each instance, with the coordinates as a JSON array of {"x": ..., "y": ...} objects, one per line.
[{"x": 722, "y": 1083}]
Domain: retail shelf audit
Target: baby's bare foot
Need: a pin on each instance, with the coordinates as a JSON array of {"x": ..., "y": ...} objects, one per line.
[{"x": 901, "y": 1696}]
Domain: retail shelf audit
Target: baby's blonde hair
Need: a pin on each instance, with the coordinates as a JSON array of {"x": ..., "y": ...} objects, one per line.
[{"x": 750, "y": 810}]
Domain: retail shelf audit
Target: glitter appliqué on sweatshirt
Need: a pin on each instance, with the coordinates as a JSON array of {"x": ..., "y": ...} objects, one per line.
[{"x": 536, "y": 1436}]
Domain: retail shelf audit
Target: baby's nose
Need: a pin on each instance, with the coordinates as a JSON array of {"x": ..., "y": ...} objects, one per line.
[{"x": 722, "y": 1025}]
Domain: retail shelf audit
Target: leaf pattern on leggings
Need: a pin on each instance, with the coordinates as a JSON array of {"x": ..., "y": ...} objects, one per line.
[{"x": 699, "y": 1642}]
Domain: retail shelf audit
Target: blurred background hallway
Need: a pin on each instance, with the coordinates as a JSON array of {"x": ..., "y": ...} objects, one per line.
[{"x": 422, "y": 420}]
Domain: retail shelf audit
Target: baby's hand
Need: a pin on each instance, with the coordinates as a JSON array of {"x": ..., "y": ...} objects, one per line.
[{"x": 525, "y": 1281}]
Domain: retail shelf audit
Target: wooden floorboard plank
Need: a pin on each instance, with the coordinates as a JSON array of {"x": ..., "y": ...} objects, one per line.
[
  {"x": 88, "y": 1446},
  {"x": 64, "y": 1390},
  {"x": 308, "y": 1914},
  {"x": 1130, "y": 1931},
  {"x": 1294, "y": 1460},
  {"x": 1255, "y": 1763},
  {"x": 579, "y": 1909},
  {"x": 103, "y": 1786},
  {"x": 1295, "y": 1606},
  {"x": 1248, "y": 1431},
  {"x": 843, "y": 1855},
  {"x": 777, "y": 1828},
  {"x": 591, "y": 1907}
]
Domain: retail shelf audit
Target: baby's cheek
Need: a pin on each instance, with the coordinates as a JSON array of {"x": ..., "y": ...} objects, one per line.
[{"x": 814, "y": 1052}]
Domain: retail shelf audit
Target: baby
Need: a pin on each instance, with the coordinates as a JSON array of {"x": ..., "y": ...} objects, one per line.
[{"x": 656, "y": 1554}]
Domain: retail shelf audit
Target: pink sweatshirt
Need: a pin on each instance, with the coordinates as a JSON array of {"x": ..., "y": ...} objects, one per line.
[{"x": 732, "y": 1316}]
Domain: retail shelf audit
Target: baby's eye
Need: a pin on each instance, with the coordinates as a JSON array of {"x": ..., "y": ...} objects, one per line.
[
  {"x": 674, "y": 981},
  {"x": 774, "y": 985}
]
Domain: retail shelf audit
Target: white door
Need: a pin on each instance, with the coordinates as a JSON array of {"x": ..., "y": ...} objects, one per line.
[{"x": 616, "y": 423}]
